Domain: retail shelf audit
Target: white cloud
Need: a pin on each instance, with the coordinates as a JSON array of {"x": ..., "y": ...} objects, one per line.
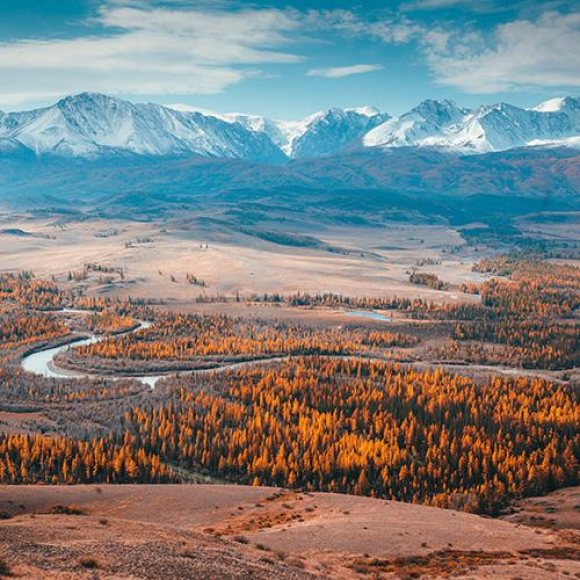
[
  {"x": 339, "y": 72},
  {"x": 149, "y": 51},
  {"x": 525, "y": 53},
  {"x": 521, "y": 54},
  {"x": 166, "y": 48},
  {"x": 484, "y": 6},
  {"x": 434, "y": 4},
  {"x": 530, "y": 8},
  {"x": 163, "y": 48},
  {"x": 389, "y": 30}
]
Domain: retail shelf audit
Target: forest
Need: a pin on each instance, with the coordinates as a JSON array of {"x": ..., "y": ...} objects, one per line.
[
  {"x": 180, "y": 337},
  {"x": 337, "y": 408},
  {"x": 346, "y": 426}
]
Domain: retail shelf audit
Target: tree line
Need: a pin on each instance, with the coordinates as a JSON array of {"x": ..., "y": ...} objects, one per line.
[{"x": 349, "y": 426}]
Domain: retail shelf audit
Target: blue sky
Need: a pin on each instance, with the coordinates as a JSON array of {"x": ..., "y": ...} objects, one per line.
[{"x": 287, "y": 59}]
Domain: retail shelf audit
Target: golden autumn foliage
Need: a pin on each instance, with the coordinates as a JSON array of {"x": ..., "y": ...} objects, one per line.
[
  {"x": 182, "y": 337},
  {"x": 374, "y": 429},
  {"x": 110, "y": 322},
  {"x": 19, "y": 328},
  {"x": 26, "y": 290},
  {"x": 37, "y": 459},
  {"x": 426, "y": 279},
  {"x": 532, "y": 313},
  {"x": 530, "y": 343},
  {"x": 321, "y": 420},
  {"x": 347, "y": 426}
]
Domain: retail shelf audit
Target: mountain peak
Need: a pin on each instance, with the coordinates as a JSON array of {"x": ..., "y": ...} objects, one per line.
[
  {"x": 425, "y": 122},
  {"x": 87, "y": 98},
  {"x": 503, "y": 107},
  {"x": 367, "y": 111},
  {"x": 93, "y": 124},
  {"x": 437, "y": 104},
  {"x": 183, "y": 108},
  {"x": 557, "y": 105},
  {"x": 331, "y": 131},
  {"x": 494, "y": 127},
  {"x": 550, "y": 106},
  {"x": 439, "y": 113}
]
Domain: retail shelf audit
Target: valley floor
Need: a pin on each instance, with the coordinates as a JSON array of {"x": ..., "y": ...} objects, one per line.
[
  {"x": 156, "y": 257},
  {"x": 232, "y": 531}
]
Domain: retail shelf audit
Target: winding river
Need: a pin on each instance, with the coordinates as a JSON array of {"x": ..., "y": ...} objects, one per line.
[{"x": 42, "y": 362}]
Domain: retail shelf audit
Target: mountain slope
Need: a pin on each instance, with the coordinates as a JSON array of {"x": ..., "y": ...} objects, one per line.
[
  {"x": 89, "y": 125},
  {"x": 343, "y": 183},
  {"x": 489, "y": 128},
  {"x": 420, "y": 126},
  {"x": 327, "y": 133},
  {"x": 324, "y": 133},
  {"x": 253, "y": 123},
  {"x": 504, "y": 126}
]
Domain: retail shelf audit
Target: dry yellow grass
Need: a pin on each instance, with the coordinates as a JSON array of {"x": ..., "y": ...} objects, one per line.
[{"x": 156, "y": 258}]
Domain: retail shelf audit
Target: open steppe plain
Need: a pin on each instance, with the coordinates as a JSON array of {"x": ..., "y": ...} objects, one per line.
[{"x": 157, "y": 256}]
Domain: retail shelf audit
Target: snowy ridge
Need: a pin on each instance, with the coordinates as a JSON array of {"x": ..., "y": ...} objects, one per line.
[
  {"x": 489, "y": 128},
  {"x": 323, "y": 133},
  {"x": 425, "y": 124},
  {"x": 329, "y": 132},
  {"x": 92, "y": 125}
]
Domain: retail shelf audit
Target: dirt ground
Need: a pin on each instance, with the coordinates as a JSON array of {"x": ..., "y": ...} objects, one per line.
[
  {"x": 238, "y": 532},
  {"x": 23, "y": 422},
  {"x": 559, "y": 510}
]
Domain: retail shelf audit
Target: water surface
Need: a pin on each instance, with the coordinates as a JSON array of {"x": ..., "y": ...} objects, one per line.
[{"x": 369, "y": 314}]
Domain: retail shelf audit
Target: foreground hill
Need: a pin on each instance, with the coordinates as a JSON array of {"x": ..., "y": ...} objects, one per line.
[{"x": 236, "y": 532}]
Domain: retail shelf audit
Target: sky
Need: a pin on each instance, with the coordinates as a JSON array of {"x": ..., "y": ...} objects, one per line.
[{"x": 288, "y": 59}]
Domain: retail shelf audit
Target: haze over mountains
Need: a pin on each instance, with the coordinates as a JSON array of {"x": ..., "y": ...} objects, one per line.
[
  {"x": 92, "y": 125},
  {"x": 95, "y": 153}
]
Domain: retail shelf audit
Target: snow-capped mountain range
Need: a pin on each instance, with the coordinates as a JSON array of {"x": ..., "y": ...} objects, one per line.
[
  {"x": 90, "y": 125},
  {"x": 485, "y": 129}
]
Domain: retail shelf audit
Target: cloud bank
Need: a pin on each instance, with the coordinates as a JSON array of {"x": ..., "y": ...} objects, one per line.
[
  {"x": 339, "y": 72},
  {"x": 133, "y": 48},
  {"x": 150, "y": 51},
  {"x": 520, "y": 54}
]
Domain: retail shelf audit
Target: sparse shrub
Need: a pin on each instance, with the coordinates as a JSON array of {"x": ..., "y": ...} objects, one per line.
[
  {"x": 67, "y": 510},
  {"x": 89, "y": 563},
  {"x": 4, "y": 569},
  {"x": 262, "y": 547}
]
